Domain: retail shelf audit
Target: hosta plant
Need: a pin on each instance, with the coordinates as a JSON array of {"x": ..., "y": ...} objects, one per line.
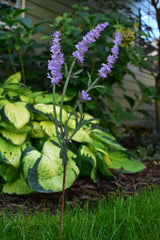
[{"x": 29, "y": 149}]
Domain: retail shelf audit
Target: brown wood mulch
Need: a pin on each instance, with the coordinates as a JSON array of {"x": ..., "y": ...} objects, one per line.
[{"x": 84, "y": 189}]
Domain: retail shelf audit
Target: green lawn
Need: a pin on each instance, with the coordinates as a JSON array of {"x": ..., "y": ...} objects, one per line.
[{"x": 136, "y": 217}]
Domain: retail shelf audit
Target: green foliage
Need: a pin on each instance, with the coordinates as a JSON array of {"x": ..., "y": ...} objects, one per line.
[
  {"x": 19, "y": 50},
  {"x": 152, "y": 151},
  {"x": 77, "y": 23},
  {"x": 29, "y": 149}
]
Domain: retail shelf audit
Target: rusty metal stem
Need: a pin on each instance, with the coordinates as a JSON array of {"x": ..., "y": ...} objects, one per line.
[{"x": 62, "y": 204}]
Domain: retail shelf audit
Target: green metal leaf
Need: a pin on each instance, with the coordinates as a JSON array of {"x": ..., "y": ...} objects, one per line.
[
  {"x": 16, "y": 114},
  {"x": 123, "y": 164}
]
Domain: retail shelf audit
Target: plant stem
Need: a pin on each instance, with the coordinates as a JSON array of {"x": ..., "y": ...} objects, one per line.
[
  {"x": 55, "y": 115},
  {"x": 62, "y": 204},
  {"x": 11, "y": 60},
  {"x": 22, "y": 67},
  {"x": 64, "y": 92}
]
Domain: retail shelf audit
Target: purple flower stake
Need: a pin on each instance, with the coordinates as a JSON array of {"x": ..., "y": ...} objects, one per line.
[
  {"x": 84, "y": 96},
  {"x": 57, "y": 60},
  {"x": 55, "y": 75},
  {"x": 89, "y": 38},
  {"x": 111, "y": 59}
]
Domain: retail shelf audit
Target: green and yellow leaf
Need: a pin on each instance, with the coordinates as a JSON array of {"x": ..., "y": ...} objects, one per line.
[
  {"x": 10, "y": 153},
  {"x": 15, "y": 138},
  {"x": 44, "y": 171},
  {"x": 16, "y": 114},
  {"x": 19, "y": 187},
  {"x": 123, "y": 164}
]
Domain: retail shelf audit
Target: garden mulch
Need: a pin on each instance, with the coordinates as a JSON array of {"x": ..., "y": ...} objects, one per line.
[{"x": 84, "y": 189}]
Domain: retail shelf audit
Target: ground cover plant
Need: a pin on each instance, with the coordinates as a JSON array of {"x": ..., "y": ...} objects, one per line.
[
  {"x": 133, "y": 217},
  {"x": 103, "y": 104},
  {"x": 45, "y": 142},
  {"x": 26, "y": 125}
]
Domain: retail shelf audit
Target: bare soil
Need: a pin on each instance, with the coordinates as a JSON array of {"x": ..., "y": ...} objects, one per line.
[{"x": 84, "y": 189}]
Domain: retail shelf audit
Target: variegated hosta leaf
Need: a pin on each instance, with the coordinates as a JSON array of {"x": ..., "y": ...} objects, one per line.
[
  {"x": 16, "y": 88},
  {"x": 15, "y": 138},
  {"x": 16, "y": 114},
  {"x": 48, "y": 98},
  {"x": 10, "y": 153},
  {"x": 122, "y": 163},
  {"x": 48, "y": 127},
  {"x": 106, "y": 157},
  {"x": 44, "y": 171},
  {"x": 15, "y": 78},
  {"x": 88, "y": 116},
  {"x": 106, "y": 138},
  {"x": 19, "y": 187},
  {"x": 47, "y": 109},
  {"x": 11, "y": 128},
  {"x": 26, "y": 99},
  {"x": 8, "y": 172},
  {"x": 81, "y": 136},
  {"x": 103, "y": 161},
  {"x": 88, "y": 162},
  {"x": 3, "y": 101},
  {"x": 44, "y": 98},
  {"x": 36, "y": 131},
  {"x": 1, "y": 91}
]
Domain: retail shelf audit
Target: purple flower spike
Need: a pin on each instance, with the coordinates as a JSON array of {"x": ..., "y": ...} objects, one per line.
[
  {"x": 89, "y": 38},
  {"x": 57, "y": 60},
  {"x": 118, "y": 38},
  {"x": 84, "y": 96},
  {"x": 111, "y": 59}
]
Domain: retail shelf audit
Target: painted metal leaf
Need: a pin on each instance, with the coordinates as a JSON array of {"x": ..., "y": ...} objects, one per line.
[{"x": 16, "y": 114}]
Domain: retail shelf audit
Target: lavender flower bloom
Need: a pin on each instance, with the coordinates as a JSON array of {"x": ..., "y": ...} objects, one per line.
[
  {"x": 84, "y": 96},
  {"x": 89, "y": 38},
  {"x": 111, "y": 59},
  {"x": 57, "y": 60}
]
